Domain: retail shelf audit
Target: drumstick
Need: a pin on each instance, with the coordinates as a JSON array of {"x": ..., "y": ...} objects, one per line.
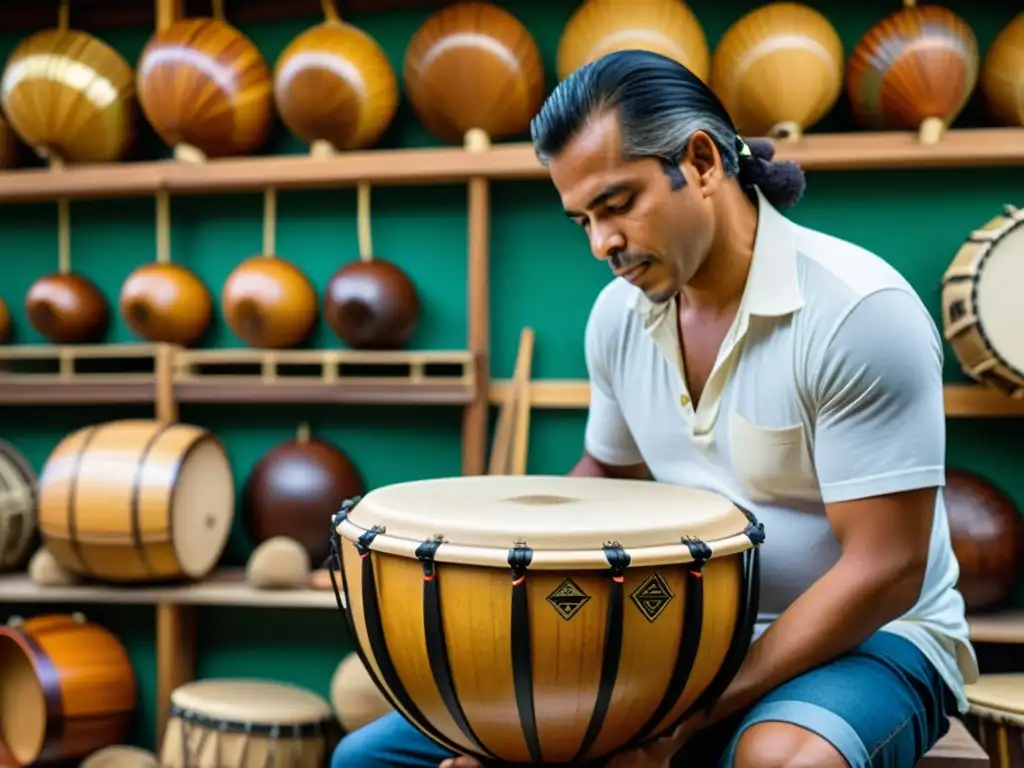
[
  {"x": 504, "y": 432},
  {"x": 521, "y": 386}
]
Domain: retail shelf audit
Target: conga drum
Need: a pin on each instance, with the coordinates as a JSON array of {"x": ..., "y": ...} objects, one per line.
[
  {"x": 137, "y": 500},
  {"x": 534, "y": 619},
  {"x": 17, "y": 508},
  {"x": 980, "y": 314},
  {"x": 67, "y": 689},
  {"x": 996, "y": 717},
  {"x": 247, "y": 724}
]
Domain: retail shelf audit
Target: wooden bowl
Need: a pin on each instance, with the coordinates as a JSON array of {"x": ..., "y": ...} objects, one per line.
[
  {"x": 474, "y": 65},
  {"x": 778, "y": 70},
  {"x": 372, "y": 305},
  {"x": 334, "y": 83},
  {"x": 203, "y": 84},
  {"x": 269, "y": 303},
  {"x": 70, "y": 96},
  {"x": 67, "y": 309},
  {"x": 600, "y": 27},
  {"x": 913, "y": 70},
  {"x": 166, "y": 303},
  {"x": 1002, "y": 74}
]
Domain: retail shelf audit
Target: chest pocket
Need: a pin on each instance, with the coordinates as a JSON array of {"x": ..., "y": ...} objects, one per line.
[{"x": 772, "y": 463}]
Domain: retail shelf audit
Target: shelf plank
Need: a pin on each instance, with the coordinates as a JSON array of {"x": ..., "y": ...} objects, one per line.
[
  {"x": 962, "y": 400},
  {"x": 1006, "y": 628},
  {"x": 450, "y": 165}
]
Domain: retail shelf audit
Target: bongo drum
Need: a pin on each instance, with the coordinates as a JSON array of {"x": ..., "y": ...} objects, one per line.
[
  {"x": 980, "y": 314},
  {"x": 137, "y": 500},
  {"x": 240, "y": 723},
  {"x": 67, "y": 688},
  {"x": 996, "y": 717},
  {"x": 17, "y": 508},
  {"x": 533, "y": 619}
]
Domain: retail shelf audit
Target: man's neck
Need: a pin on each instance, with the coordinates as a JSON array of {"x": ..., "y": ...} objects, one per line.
[{"x": 718, "y": 285}]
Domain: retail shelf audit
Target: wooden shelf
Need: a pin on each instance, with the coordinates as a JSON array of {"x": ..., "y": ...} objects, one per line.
[
  {"x": 448, "y": 165},
  {"x": 962, "y": 400},
  {"x": 127, "y": 373},
  {"x": 1005, "y": 628}
]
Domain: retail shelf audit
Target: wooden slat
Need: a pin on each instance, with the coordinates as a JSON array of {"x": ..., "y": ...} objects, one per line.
[
  {"x": 957, "y": 749},
  {"x": 450, "y": 165}
]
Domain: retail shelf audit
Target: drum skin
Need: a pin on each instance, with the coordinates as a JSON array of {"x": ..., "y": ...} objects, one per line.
[
  {"x": 137, "y": 500},
  {"x": 18, "y": 528},
  {"x": 53, "y": 99},
  {"x": 288, "y": 490},
  {"x": 778, "y": 70},
  {"x": 166, "y": 303},
  {"x": 470, "y": 65},
  {"x": 269, "y": 303},
  {"x": 1002, "y": 73},
  {"x": 229, "y": 722},
  {"x": 996, "y": 717},
  {"x": 987, "y": 532},
  {"x": 203, "y": 83},
  {"x": 372, "y": 305},
  {"x": 334, "y": 83},
  {"x": 917, "y": 63},
  {"x": 67, "y": 309},
  {"x": 460, "y": 648},
  {"x": 68, "y": 690},
  {"x": 600, "y": 27}
]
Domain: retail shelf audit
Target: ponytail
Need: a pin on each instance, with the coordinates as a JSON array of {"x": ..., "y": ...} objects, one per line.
[{"x": 782, "y": 182}]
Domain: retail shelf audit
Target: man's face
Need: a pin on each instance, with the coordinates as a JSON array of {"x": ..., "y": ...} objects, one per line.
[{"x": 650, "y": 234}]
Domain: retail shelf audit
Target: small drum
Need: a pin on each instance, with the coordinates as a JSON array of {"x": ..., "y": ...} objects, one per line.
[
  {"x": 247, "y": 724},
  {"x": 526, "y": 619},
  {"x": 996, "y": 717},
  {"x": 980, "y": 313},
  {"x": 137, "y": 500},
  {"x": 17, "y": 508},
  {"x": 67, "y": 688}
]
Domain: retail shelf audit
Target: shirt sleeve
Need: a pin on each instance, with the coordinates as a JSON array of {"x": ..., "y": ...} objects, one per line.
[
  {"x": 880, "y": 414},
  {"x": 607, "y": 437}
]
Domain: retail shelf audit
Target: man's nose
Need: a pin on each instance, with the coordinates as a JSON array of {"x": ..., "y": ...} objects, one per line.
[{"x": 605, "y": 242}]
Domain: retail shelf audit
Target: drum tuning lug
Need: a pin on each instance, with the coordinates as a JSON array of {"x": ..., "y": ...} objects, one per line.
[
  {"x": 439, "y": 538},
  {"x": 612, "y": 545},
  {"x": 15, "y": 621},
  {"x": 519, "y": 544},
  {"x": 78, "y": 617},
  {"x": 379, "y": 529}
]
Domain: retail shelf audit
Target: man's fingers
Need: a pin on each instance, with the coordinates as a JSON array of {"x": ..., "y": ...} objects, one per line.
[{"x": 460, "y": 762}]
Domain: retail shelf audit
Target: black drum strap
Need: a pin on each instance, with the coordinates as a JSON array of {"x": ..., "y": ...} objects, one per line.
[
  {"x": 519, "y": 559},
  {"x": 618, "y": 560}
]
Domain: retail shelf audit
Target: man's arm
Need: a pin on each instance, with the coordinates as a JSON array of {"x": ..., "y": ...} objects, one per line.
[
  {"x": 879, "y": 449},
  {"x": 588, "y": 466}
]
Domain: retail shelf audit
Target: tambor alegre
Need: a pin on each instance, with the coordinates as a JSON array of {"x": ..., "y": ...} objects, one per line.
[{"x": 548, "y": 619}]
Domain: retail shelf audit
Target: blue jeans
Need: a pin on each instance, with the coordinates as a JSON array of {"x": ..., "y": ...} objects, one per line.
[{"x": 882, "y": 705}]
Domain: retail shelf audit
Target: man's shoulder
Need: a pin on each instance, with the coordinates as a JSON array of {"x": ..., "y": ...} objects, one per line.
[{"x": 613, "y": 308}]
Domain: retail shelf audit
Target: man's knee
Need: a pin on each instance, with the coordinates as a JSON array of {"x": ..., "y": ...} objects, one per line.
[
  {"x": 783, "y": 745},
  {"x": 359, "y": 748}
]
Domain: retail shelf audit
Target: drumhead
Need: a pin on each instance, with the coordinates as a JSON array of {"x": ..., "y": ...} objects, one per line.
[
  {"x": 1001, "y": 692},
  {"x": 996, "y": 297},
  {"x": 259, "y": 702},
  {"x": 554, "y": 513}
]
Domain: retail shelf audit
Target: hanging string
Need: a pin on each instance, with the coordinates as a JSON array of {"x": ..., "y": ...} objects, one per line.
[
  {"x": 218, "y": 9},
  {"x": 363, "y": 221},
  {"x": 270, "y": 223},
  {"x": 64, "y": 236},
  {"x": 330, "y": 11},
  {"x": 302, "y": 433},
  {"x": 163, "y": 228},
  {"x": 64, "y": 14}
]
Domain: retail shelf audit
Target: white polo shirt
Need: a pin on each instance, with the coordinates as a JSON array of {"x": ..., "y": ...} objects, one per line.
[{"x": 827, "y": 388}]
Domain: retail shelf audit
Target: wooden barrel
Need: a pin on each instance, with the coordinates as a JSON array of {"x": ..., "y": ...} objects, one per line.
[
  {"x": 17, "y": 508},
  {"x": 137, "y": 500},
  {"x": 67, "y": 689}
]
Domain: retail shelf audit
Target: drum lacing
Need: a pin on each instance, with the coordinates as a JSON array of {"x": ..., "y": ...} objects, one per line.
[
  {"x": 755, "y": 529},
  {"x": 699, "y": 551}
]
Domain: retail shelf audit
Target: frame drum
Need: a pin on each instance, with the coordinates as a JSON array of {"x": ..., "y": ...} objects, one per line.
[
  {"x": 239, "y": 723},
  {"x": 996, "y": 717},
  {"x": 980, "y": 314},
  {"x": 534, "y": 619},
  {"x": 18, "y": 529},
  {"x": 137, "y": 500}
]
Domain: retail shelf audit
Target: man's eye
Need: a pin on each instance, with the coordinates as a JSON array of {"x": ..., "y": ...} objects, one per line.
[{"x": 621, "y": 207}]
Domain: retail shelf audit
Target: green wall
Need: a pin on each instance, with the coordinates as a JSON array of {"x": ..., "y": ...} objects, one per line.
[{"x": 915, "y": 219}]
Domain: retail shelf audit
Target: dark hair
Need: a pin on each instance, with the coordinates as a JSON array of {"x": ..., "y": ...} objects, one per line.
[{"x": 660, "y": 104}]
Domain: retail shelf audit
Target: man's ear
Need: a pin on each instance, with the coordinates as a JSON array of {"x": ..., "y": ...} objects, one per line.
[{"x": 703, "y": 157}]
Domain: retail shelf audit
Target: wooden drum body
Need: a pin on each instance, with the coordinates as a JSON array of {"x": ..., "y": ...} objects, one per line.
[
  {"x": 67, "y": 689},
  {"x": 137, "y": 500},
  {"x": 980, "y": 314},
  {"x": 528, "y": 619},
  {"x": 246, "y": 724},
  {"x": 17, "y": 508},
  {"x": 996, "y": 717}
]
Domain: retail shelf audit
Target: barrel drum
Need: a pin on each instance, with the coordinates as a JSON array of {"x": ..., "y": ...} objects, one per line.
[
  {"x": 526, "y": 619},
  {"x": 137, "y": 500},
  {"x": 18, "y": 529},
  {"x": 68, "y": 689}
]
